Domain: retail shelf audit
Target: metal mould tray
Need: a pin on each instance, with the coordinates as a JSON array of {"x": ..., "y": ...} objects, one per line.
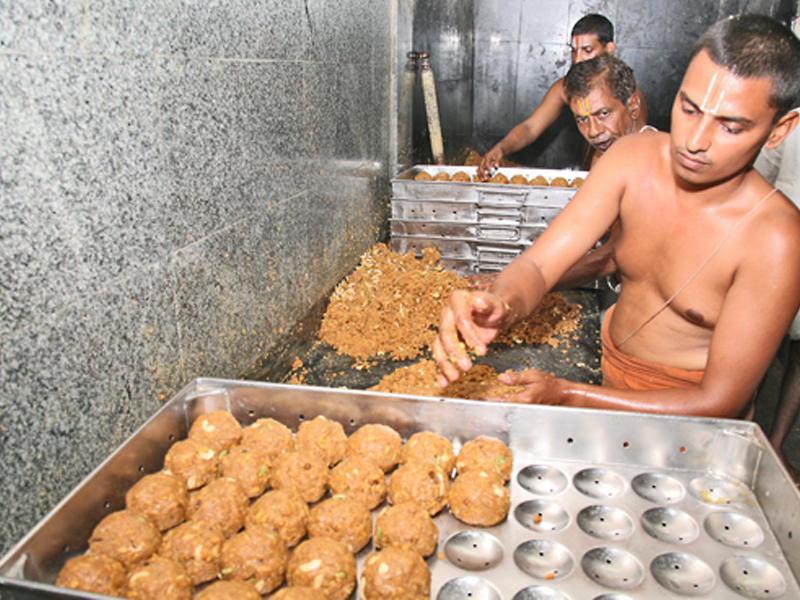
[
  {"x": 605, "y": 505},
  {"x": 489, "y": 251},
  {"x": 510, "y": 231},
  {"x": 444, "y": 211},
  {"x": 459, "y": 248},
  {"x": 465, "y": 201},
  {"x": 462, "y": 256},
  {"x": 486, "y": 225},
  {"x": 529, "y": 173},
  {"x": 491, "y": 260}
]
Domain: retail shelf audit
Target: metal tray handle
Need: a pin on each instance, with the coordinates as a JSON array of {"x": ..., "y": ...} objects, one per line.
[
  {"x": 497, "y": 233},
  {"x": 496, "y": 257},
  {"x": 501, "y": 199}
]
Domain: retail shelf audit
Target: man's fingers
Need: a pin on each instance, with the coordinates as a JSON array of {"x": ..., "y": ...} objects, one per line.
[
  {"x": 523, "y": 397},
  {"x": 447, "y": 362},
  {"x": 444, "y": 365},
  {"x": 459, "y": 332},
  {"x": 467, "y": 307},
  {"x": 540, "y": 386},
  {"x": 518, "y": 377},
  {"x": 452, "y": 349},
  {"x": 460, "y": 308}
]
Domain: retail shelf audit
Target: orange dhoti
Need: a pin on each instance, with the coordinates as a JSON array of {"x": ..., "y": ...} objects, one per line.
[{"x": 625, "y": 372}]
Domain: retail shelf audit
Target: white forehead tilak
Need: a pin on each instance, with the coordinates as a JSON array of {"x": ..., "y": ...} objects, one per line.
[{"x": 712, "y": 87}]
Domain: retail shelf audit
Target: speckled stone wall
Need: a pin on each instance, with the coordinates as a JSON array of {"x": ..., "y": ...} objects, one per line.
[
  {"x": 180, "y": 182},
  {"x": 522, "y": 46}
]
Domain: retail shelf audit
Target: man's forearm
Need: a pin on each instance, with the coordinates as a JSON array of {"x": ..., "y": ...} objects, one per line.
[
  {"x": 675, "y": 401},
  {"x": 517, "y": 139},
  {"x": 521, "y": 286}
]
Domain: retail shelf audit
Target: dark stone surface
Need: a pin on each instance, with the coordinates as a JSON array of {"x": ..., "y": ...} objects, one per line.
[{"x": 576, "y": 357}]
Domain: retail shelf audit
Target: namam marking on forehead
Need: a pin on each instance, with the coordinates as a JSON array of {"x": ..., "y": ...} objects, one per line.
[{"x": 713, "y": 92}]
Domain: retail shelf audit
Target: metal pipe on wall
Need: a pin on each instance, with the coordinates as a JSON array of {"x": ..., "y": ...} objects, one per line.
[
  {"x": 432, "y": 109},
  {"x": 404, "y": 116}
]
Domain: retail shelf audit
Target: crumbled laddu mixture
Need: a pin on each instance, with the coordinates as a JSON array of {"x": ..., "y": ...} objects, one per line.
[
  {"x": 299, "y": 372},
  {"x": 473, "y": 159},
  {"x": 553, "y": 318},
  {"x": 420, "y": 380},
  {"x": 390, "y": 305}
]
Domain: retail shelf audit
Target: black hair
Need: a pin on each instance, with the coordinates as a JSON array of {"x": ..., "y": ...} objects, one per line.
[
  {"x": 583, "y": 76},
  {"x": 757, "y": 46},
  {"x": 596, "y": 24}
]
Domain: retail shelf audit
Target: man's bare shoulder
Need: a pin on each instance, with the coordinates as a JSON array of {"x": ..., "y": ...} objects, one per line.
[
  {"x": 783, "y": 216},
  {"x": 558, "y": 91},
  {"x": 780, "y": 206},
  {"x": 775, "y": 233}
]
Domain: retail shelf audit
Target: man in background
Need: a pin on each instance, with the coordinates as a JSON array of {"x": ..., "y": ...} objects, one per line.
[
  {"x": 602, "y": 95},
  {"x": 592, "y": 35},
  {"x": 601, "y": 92}
]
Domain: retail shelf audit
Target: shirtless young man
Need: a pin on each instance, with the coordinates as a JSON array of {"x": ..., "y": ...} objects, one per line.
[
  {"x": 708, "y": 252},
  {"x": 781, "y": 167},
  {"x": 592, "y": 35}
]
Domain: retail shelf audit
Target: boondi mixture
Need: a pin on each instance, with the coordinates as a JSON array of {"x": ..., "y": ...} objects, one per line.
[{"x": 390, "y": 305}]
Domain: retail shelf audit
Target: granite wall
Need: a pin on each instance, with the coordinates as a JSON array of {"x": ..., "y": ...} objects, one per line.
[
  {"x": 180, "y": 182},
  {"x": 522, "y": 46}
]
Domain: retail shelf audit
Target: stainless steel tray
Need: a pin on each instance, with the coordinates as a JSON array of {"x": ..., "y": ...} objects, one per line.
[
  {"x": 485, "y": 230},
  {"x": 477, "y": 227},
  {"x": 605, "y": 505}
]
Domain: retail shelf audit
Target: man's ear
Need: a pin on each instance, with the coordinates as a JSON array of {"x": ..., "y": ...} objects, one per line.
[
  {"x": 782, "y": 129},
  {"x": 610, "y": 47},
  {"x": 634, "y": 105}
]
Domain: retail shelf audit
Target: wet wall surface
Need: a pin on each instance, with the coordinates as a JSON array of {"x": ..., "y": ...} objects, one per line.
[{"x": 520, "y": 47}]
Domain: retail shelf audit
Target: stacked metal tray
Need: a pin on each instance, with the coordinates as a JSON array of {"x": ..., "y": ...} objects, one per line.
[
  {"x": 478, "y": 227},
  {"x": 605, "y": 505}
]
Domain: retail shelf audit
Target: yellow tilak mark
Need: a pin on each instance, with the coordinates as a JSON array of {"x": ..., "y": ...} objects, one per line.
[{"x": 583, "y": 107}]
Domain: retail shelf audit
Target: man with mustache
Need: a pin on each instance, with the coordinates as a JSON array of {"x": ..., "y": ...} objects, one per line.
[
  {"x": 601, "y": 93},
  {"x": 708, "y": 251},
  {"x": 591, "y": 36}
]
